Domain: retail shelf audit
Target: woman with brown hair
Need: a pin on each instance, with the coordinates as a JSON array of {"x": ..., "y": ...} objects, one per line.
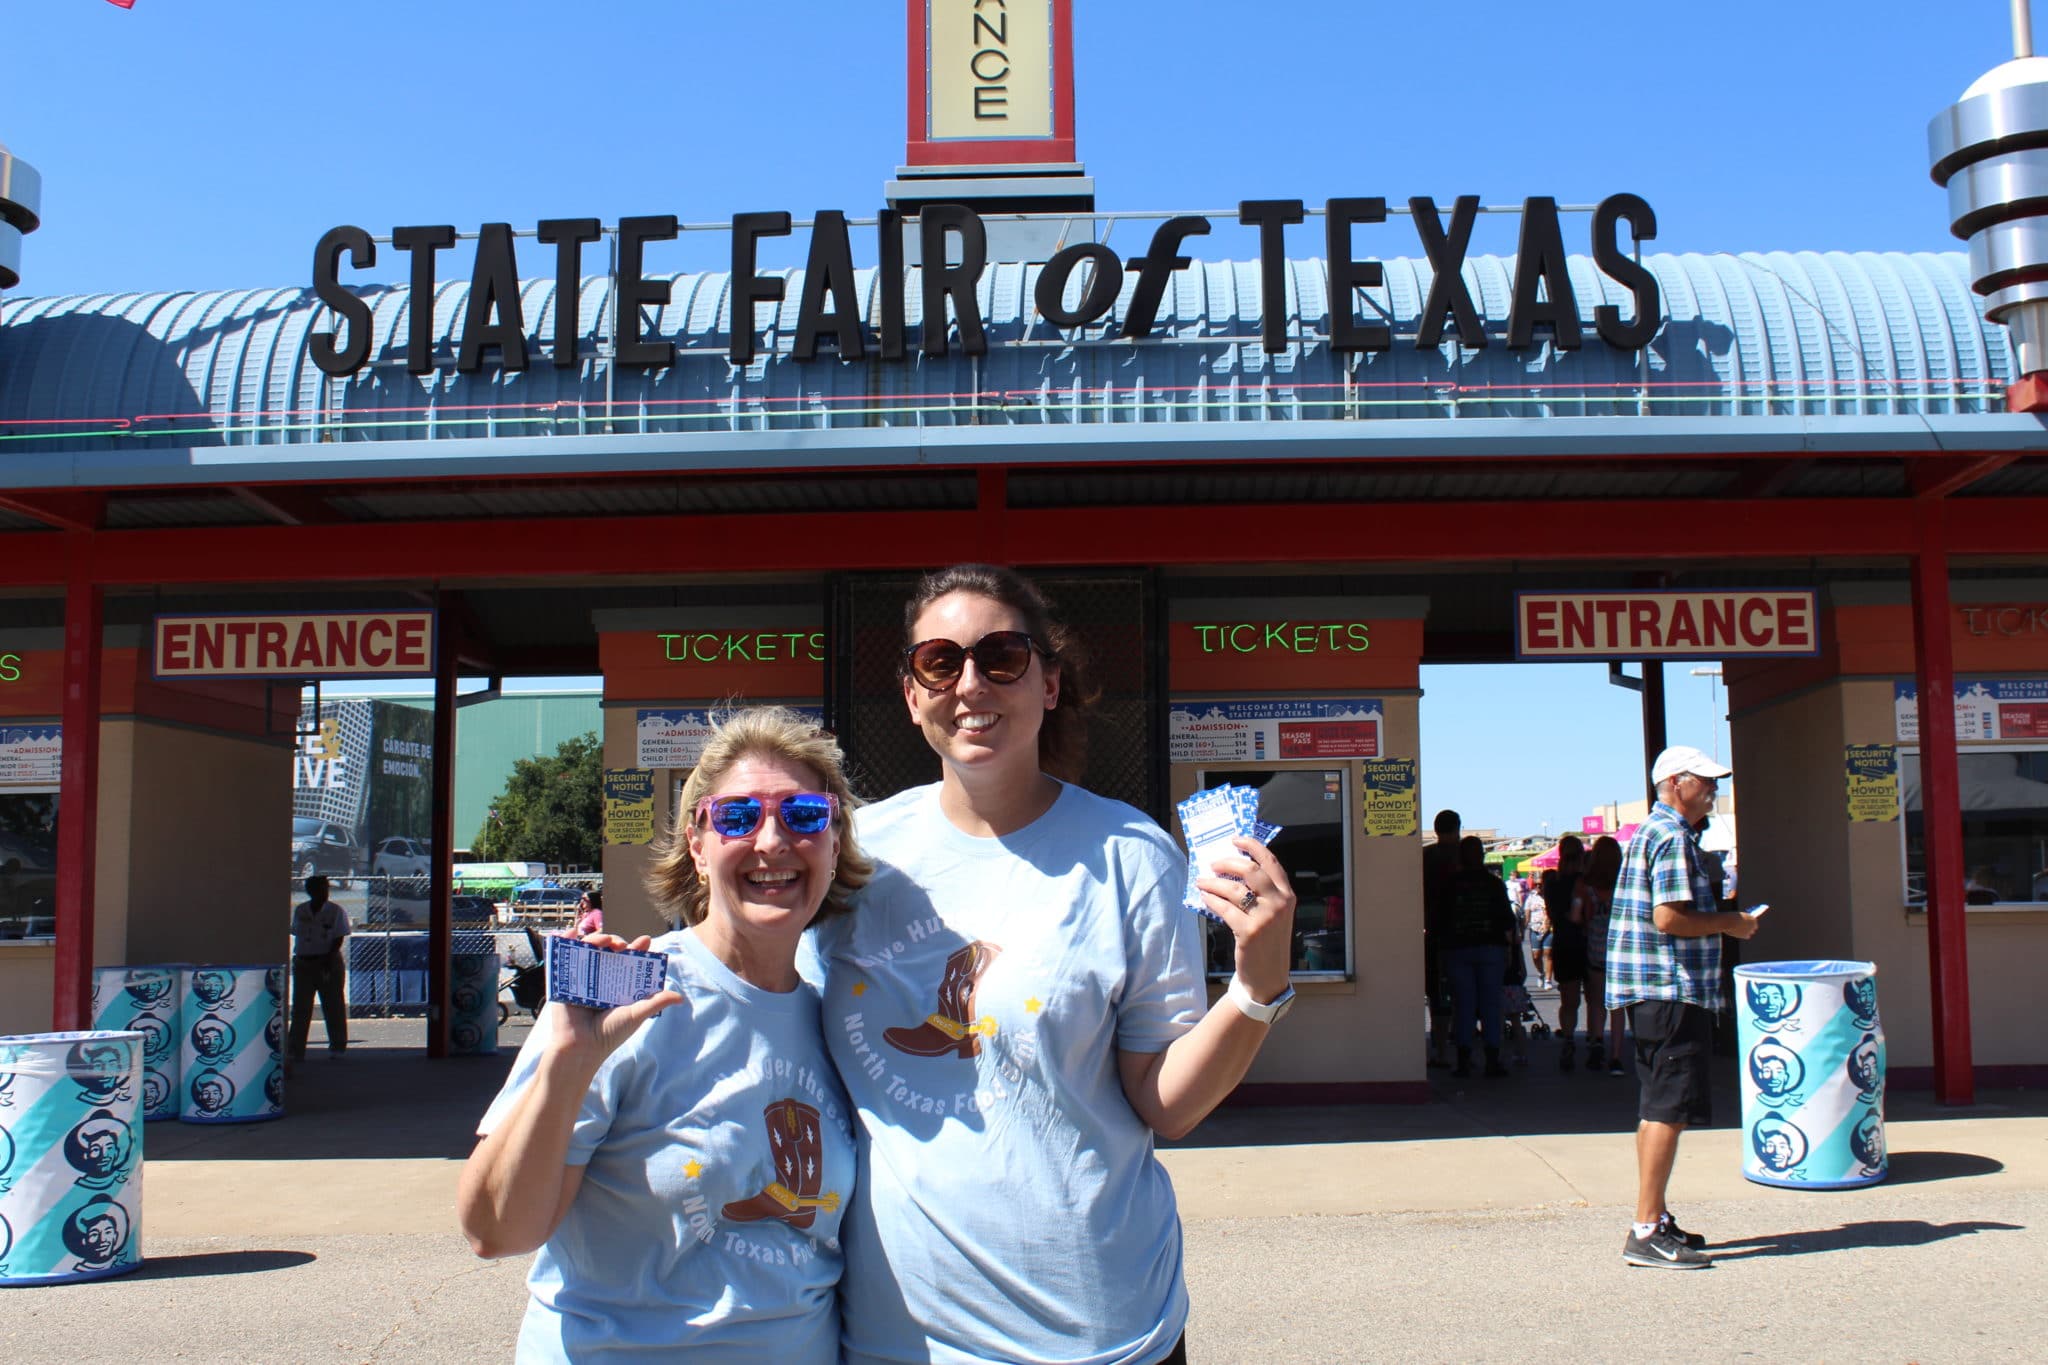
[
  {"x": 1018, "y": 1008},
  {"x": 682, "y": 1164}
]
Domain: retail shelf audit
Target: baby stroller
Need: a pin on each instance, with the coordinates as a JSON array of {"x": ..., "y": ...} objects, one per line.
[
  {"x": 1518, "y": 1011},
  {"x": 528, "y": 985}
]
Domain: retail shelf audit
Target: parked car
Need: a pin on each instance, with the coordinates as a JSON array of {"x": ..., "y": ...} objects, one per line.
[
  {"x": 473, "y": 912},
  {"x": 550, "y": 900},
  {"x": 401, "y": 857},
  {"x": 322, "y": 846}
]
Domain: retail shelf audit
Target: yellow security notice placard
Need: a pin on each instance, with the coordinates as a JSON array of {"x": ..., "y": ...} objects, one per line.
[
  {"x": 1872, "y": 775},
  {"x": 1391, "y": 796}
]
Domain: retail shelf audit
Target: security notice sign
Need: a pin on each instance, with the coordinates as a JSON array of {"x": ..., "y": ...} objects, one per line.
[
  {"x": 324, "y": 644},
  {"x": 1872, "y": 775},
  {"x": 1722, "y": 624}
]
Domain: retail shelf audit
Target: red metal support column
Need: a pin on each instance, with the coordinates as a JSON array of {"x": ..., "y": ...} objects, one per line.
[
  {"x": 1941, "y": 815},
  {"x": 1655, "y": 735},
  {"x": 78, "y": 805},
  {"x": 441, "y": 839}
]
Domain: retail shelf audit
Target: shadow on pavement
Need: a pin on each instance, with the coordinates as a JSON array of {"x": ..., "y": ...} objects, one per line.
[
  {"x": 210, "y": 1263},
  {"x": 1888, "y": 1232},
  {"x": 1913, "y": 1168}
]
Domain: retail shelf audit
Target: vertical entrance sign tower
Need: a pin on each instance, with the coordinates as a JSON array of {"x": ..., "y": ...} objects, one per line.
[{"x": 991, "y": 118}]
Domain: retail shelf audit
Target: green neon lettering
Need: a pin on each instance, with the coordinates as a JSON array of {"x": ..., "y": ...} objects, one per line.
[
  {"x": 764, "y": 648},
  {"x": 1205, "y": 636},
  {"x": 1304, "y": 639},
  {"x": 736, "y": 647},
  {"x": 1242, "y": 649},
  {"x": 702, "y": 658},
  {"x": 1360, "y": 637},
  {"x": 10, "y": 668},
  {"x": 1276, "y": 634},
  {"x": 668, "y": 650}
]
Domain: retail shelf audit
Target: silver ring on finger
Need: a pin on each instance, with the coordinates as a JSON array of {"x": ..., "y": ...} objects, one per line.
[{"x": 1248, "y": 899}]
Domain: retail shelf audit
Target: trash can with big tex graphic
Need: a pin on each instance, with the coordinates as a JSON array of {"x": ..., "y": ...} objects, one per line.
[
  {"x": 232, "y": 1051},
  {"x": 145, "y": 1000},
  {"x": 70, "y": 1156},
  {"x": 1812, "y": 1074}
]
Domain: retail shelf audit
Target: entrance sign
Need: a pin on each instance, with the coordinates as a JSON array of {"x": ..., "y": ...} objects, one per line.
[
  {"x": 363, "y": 644},
  {"x": 1666, "y": 625},
  {"x": 1229, "y": 731},
  {"x": 988, "y": 71}
]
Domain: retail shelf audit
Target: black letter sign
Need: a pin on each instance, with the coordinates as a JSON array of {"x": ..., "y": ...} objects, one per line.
[
  {"x": 422, "y": 242},
  {"x": 493, "y": 286},
  {"x": 1446, "y": 252},
  {"x": 567, "y": 236},
  {"x": 1347, "y": 276},
  {"x": 349, "y": 310},
  {"x": 749, "y": 288},
  {"x": 1106, "y": 284},
  {"x": 1272, "y": 217},
  {"x": 1156, "y": 267},
  {"x": 1618, "y": 266},
  {"x": 1540, "y": 258},
  {"x": 942, "y": 281},
  {"x": 636, "y": 290},
  {"x": 829, "y": 270}
]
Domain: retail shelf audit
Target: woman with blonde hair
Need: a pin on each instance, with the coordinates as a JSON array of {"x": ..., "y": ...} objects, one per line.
[{"x": 682, "y": 1164}]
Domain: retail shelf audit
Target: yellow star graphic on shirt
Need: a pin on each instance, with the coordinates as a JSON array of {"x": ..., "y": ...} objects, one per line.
[
  {"x": 692, "y": 1169},
  {"x": 1033, "y": 1005},
  {"x": 860, "y": 988}
]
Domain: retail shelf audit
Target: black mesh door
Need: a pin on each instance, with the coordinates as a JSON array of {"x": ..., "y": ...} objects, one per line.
[{"x": 1112, "y": 613}]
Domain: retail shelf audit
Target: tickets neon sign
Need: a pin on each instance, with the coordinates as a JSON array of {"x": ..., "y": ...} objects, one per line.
[
  {"x": 743, "y": 647},
  {"x": 1288, "y": 637}
]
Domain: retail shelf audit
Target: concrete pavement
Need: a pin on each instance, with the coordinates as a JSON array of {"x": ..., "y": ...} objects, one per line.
[{"x": 1484, "y": 1225}]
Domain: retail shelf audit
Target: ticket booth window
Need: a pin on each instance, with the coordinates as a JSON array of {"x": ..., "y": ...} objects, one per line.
[
  {"x": 1311, "y": 804},
  {"x": 28, "y": 864},
  {"x": 2004, "y": 795}
]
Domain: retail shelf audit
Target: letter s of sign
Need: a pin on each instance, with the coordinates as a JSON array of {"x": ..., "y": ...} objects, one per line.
[
  {"x": 10, "y": 668},
  {"x": 350, "y": 310}
]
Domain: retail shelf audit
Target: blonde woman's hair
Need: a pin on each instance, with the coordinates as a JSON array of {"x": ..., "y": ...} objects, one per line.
[{"x": 768, "y": 732}]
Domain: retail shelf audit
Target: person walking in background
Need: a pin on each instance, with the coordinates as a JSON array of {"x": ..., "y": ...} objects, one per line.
[
  {"x": 589, "y": 914},
  {"x": 1567, "y": 942},
  {"x": 1536, "y": 918},
  {"x": 319, "y": 929},
  {"x": 1664, "y": 968},
  {"x": 1592, "y": 907},
  {"x": 1480, "y": 932},
  {"x": 1439, "y": 870}
]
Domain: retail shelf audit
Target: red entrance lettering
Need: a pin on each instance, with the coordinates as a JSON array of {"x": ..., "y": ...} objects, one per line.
[
  {"x": 412, "y": 643},
  {"x": 177, "y": 645},
  {"x": 209, "y": 646},
  {"x": 1643, "y": 630},
  {"x": 306, "y": 648},
  {"x": 1753, "y": 608},
  {"x": 341, "y": 643},
  {"x": 1719, "y": 616},
  {"x": 376, "y": 655},
  {"x": 1684, "y": 630},
  {"x": 240, "y": 632},
  {"x": 270, "y": 645},
  {"x": 1578, "y": 624},
  {"x": 1793, "y": 628},
  {"x": 1541, "y": 626}
]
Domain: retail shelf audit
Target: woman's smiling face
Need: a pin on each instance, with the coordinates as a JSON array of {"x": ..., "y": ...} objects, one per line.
[
  {"x": 770, "y": 882},
  {"x": 977, "y": 724}
]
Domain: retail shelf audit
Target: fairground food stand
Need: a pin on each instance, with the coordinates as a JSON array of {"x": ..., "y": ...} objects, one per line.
[{"x": 1265, "y": 491}]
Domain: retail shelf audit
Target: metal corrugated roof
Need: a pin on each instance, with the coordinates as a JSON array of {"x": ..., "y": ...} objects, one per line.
[{"x": 1773, "y": 334}]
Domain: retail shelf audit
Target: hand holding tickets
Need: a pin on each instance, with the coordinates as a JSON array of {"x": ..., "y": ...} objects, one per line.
[
  {"x": 1210, "y": 820},
  {"x": 1756, "y": 910},
  {"x": 601, "y": 979}
]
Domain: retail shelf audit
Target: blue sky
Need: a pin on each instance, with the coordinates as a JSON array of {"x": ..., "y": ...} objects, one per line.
[{"x": 208, "y": 144}]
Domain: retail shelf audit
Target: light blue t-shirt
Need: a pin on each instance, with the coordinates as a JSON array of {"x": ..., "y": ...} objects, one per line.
[
  {"x": 718, "y": 1160},
  {"x": 1010, "y": 1207}
]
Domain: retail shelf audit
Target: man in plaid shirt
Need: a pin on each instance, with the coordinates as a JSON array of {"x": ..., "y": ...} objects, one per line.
[{"x": 1664, "y": 968}]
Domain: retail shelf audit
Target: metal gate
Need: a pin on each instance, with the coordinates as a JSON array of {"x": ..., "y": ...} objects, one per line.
[{"x": 1114, "y": 614}]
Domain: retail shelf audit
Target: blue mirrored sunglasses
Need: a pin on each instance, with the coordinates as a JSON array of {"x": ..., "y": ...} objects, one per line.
[{"x": 802, "y": 813}]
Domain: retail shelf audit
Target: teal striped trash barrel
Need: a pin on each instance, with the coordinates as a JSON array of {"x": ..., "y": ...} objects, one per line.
[
  {"x": 1813, "y": 1069},
  {"x": 70, "y": 1156},
  {"x": 232, "y": 1047},
  {"x": 473, "y": 1004},
  {"x": 145, "y": 1000}
]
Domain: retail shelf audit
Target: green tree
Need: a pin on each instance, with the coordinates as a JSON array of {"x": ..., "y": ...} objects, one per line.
[{"x": 552, "y": 809}]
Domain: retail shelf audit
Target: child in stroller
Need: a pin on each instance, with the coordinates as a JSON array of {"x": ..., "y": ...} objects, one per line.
[
  {"x": 528, "y": 985},
  {"x": 1518, "y": 1010}
]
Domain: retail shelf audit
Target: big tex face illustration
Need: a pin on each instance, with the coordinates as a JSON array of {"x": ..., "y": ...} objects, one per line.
[
  {"x": 1860, "y": 996},
  {"x": 101, "y": 1070},
  {"x": 1775, "y": 1070},
  {"x": 1779, "y": 1145},
  {"x": 146, "y": 991},
  {"x": 1862, "y": 1066},
  {"x": 212, "y": 1092},
  {"x": 213, "y": 1037},
  {"x": 1772, "y": 1001},
  {"x": 97, "y": 1232},
  {"x": 212, "y": 986},
  {"x": 98, "y": 1149}
]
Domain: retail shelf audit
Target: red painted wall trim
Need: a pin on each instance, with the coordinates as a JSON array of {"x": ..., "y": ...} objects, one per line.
[
  {"x": 1628, "y": 531},
  {"x": 78, "y": 821}
]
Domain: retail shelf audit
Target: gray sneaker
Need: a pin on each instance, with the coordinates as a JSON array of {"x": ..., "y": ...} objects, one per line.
[{"x": 1662, "y": 1251}]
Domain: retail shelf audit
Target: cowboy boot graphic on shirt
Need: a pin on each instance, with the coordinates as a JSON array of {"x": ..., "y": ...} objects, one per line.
[
  {"x": 798, "y": 1150},
  {"x": 952, "y": 1027}
]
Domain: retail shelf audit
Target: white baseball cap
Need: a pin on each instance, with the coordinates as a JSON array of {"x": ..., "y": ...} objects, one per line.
[{"x": 1683, "y": 758}]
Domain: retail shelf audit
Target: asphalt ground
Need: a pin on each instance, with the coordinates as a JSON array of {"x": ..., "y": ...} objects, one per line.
[{"x": 1485, "y": 1225}]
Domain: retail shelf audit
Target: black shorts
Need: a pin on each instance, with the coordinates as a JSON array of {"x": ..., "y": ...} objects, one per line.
[{"x": 1674, "y": 1061}]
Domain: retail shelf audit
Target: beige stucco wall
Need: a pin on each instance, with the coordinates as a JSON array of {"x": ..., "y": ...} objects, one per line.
[
  {"x": 1837, "y": 888},
  {"x": 628, "y": 908},
  {"x": 1368, "y": 1029},
  {"x": 187, "y": 865}
]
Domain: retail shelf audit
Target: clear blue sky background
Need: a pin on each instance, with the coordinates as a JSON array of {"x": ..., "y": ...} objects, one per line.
[{"x": 198, "y": 144}]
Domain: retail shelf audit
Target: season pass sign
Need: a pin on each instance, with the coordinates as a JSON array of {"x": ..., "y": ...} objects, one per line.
[
  {"x": 358, "y": 644},
  {"x": 1722, "y": 624}
]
